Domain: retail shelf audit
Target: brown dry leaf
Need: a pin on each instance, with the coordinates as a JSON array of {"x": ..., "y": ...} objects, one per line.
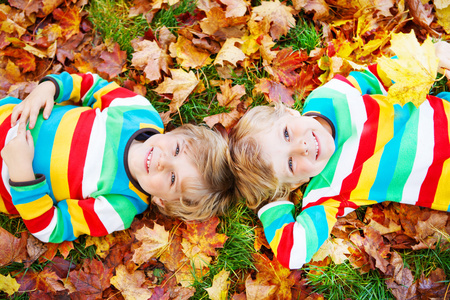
[
  {"x": 180, "y": 85},
  {"x": 279, "y": 15},
  {"x": 174, "y": 257},
  {"x": 90, "y": 280},
  {"x": 8, "y": 284},
  {"x": 275, "y": 91},
  {"x": 372, "y": 243},
  {"x": 376, "y": 219},
  {"x": 35, "y": 249},
  {"x": 235, "y": 8},
  {"x": 154, "y": 242},
  {"x": 45, "y": 280},
  {"x": 218, "y": 25},
  {"x": 188, "y": 55},
  {"x": 319, "y": 8},
  {"x": 113, "y": 61},
  {"x": 434, "y": 286},
  {"x": 228, "y": 120},
  {"x": 148, "y": 56},
  {"x": 12, "y": 249},
  {"x": 131, "y": 285},
  {"x": 259, "y": 289},
  {"x": 219, "y": 288},
  {"x": 230, "y": 96},
  {"x": 337, "y": 249},
  {"x": 230, "y": 52},
  {"x": 422, "y": 14}
]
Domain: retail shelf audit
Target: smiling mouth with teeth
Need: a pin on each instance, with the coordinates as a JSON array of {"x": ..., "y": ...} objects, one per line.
[
  {"x": 317, "y": 146},
  {"x": 149, "y": 159}
]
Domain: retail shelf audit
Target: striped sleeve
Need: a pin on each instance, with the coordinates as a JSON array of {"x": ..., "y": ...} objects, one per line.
[
  {"x": 91, "y": 90},
  {"x": 69, "y": 218},
  {"x": 294, "y": 241}
]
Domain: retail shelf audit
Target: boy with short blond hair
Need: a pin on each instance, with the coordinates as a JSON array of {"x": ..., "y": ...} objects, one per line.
[
  {"x": 352, "y": 146},
  {"x": 89, "y": 166}
]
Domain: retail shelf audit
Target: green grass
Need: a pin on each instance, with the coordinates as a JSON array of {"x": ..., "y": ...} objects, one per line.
[
  {"x": 303, "y": 35},
  {"x": 110, "y": 18},
  {"x": 236, "y": 255},
  {"x": 343, "y": 281},
  {"x": 167, "y": 17}
]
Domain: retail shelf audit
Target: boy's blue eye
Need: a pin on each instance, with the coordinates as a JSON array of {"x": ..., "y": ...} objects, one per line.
[
  {"x": 172, "y": 179},
  {"x": 286, "y": 134},
  {"x": 177, "y": 150},
  {"x": 291, "y": 166}
]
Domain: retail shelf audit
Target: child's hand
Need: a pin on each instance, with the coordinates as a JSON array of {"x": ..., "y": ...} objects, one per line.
[
  {"x": 18, "y": 155},
  {"x": 28, "y": 109},
  {"x": 443, "y": 53}
]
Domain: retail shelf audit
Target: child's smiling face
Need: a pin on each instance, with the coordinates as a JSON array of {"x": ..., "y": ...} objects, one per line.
[
  {"x": 298, "y": 147},
  {"x": 161, "y": 164}
]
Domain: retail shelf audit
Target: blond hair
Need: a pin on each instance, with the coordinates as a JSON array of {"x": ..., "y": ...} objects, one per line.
[
  {"x": 214, "y": 192},
  {"x": 255, "y": 177}
]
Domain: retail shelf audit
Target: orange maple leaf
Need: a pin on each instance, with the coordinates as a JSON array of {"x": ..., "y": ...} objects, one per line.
[
  {"x": 284, "y": 66},
  {"x": 69, "y": 21},
  {"x": 91, "y": 279},
  {"x": 275, "y": 91}
]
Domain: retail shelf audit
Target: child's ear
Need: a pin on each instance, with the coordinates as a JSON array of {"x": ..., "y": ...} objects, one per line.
[
  {"x": 293, "y": 112},
  {"x": 158, "y": 201}
]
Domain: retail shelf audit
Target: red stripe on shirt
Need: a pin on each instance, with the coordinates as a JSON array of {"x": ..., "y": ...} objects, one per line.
[
  {"x": 366, "y": 146},
  {"x": 285, "y": 245},
  {"x": 441, "y": 151},
  {"x": 86, "y": 84},
  {"x": 116, "y": 94},
  {"x": 96, "y": 226},
  {"x": 40, "y": 223},
  {"x": 5, "y": 195},
  {"x": 78, "y": 151}
]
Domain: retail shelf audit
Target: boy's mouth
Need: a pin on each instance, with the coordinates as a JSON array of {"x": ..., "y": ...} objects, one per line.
[
  {"x": 149, "y": 160},
  {"x": 317, "y": 145}
]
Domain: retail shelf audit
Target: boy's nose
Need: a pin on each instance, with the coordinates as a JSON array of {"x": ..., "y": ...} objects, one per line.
[
  {"x": 163, "y": 162},
  {"x": 301, "y": 148}
]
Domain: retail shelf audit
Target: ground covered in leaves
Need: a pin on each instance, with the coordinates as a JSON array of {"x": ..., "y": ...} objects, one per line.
[{"x": 209, "y": 61}]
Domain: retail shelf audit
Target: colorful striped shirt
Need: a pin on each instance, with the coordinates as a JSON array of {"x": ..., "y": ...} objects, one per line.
[
  {"x": 384, "y": 152},
  {"x": 84, "y": 185}
]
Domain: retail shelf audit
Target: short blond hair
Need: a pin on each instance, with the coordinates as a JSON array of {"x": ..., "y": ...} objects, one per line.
[
  {"x": 255, "y": 177},
  {"x": 215, "y": 191}
]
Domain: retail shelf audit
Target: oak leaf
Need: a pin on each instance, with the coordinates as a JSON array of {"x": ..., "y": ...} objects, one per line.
[
  {"x": 414, "y": 71},
  {"x": 219, "y": 288},
  {"x": 279, "y": 14},
  {"x": 180, "y": 85},
  {"x": 8, "y": 284},
  {"x": 188, "y": 55},
  {"x": 131, "y": 285},
  {"x": 154, "y": 242},
  {"x": 12, "y": 249},
  {"x": 230, "y": 52}
]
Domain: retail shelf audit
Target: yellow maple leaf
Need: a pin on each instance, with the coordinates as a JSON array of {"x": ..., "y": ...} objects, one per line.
[
  {"x": 180, "y": 85},
  {"x": 279, "y": 15},
  {"x": 230, "y": 52},
  {"x": 413, "y": 72},
  {"x": 188, "y": 55},
  {"x": 219, "y": 288},
  {"x": 335, "y": 248},
  {"x": 154, "y": 242},
  {"x": 8, "y": 284}
]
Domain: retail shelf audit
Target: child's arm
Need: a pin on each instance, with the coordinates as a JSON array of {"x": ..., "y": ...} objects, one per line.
[
  {"x": 295, "y": 240},
  {"x": 70, "y": 218}
]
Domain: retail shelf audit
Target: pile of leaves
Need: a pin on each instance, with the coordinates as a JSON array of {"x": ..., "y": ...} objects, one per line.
[{"x": 251, "y": 50}]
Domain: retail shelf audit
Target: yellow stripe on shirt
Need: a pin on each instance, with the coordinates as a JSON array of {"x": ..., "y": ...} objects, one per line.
[
  {"x": 78, "y": 220},
  {"x": 59, "y": 163}
]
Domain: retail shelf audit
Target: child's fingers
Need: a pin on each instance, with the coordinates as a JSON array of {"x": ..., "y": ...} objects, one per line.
[
  {"x": 17, "y": 111},
  {"x": 48, "y": 109},
  {"x": 30, "y": 139},
  {"x": 21, "y": 129}
]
